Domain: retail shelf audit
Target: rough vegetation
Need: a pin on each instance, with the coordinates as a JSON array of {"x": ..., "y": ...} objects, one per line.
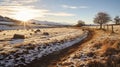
[
  {"x": 18, "y": 36},
  {"x": 101, "y": 51},
  {"x": 19, "y": 50}
]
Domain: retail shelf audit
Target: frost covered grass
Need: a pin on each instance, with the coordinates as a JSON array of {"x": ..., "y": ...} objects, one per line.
[
  {"x": 37, "y": 43},
  {"x": 103, "y": 50}
]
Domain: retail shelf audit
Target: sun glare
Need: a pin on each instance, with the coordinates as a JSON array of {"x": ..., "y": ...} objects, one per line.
[{"x": 24, "y": 15}]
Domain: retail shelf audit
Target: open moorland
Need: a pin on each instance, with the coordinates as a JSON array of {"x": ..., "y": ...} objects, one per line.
[{"x": 59, "y": 33}]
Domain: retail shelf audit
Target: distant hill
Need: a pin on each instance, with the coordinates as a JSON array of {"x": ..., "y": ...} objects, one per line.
[
  {"x": 10, "y": 21},
  {"x": 7, "y": 19},
  {"x": 45, "y": 22}
]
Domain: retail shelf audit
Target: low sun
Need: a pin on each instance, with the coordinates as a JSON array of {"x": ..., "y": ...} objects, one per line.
[{"x": 24, "y": 15}]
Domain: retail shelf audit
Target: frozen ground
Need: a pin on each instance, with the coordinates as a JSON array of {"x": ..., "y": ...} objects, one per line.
[
  {"x": 14, "y": 27},
  {"x": 37, "y": 43},
  {"x": 103, "y": 50}
]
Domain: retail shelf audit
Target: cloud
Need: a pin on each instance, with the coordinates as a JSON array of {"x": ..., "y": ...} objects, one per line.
[
  {"x": 74, "y": 7},
  {"x": 16, "y": 2},
  {"x": 64, "y": 14},
  {"x": 11, "y": 8},
  {"x": 11, "y": 11},
  {"x": 71, "y": 7}
]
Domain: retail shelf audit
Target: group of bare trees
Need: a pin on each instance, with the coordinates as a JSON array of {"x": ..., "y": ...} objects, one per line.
[{"x": 103, "y": 18}]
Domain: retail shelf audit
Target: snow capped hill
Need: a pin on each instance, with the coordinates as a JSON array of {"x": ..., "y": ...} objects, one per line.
[
  {"x": 7, "y": 19},
  {"x": 44, "y": 22}
]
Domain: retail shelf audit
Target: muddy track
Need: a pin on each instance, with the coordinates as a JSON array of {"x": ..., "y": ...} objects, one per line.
[{"x": 52, "y": 59}]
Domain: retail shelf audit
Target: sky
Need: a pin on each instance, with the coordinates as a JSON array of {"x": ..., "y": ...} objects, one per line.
[{"x": 62, "y": 11}]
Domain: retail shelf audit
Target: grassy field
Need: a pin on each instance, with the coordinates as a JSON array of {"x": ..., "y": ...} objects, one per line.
[
  {"x": 20, "y": 47},
  {"x": 102, "y": 50}
]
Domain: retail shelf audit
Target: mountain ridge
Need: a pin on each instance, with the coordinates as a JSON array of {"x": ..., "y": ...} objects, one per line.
[{"x": 33, "y": 21}]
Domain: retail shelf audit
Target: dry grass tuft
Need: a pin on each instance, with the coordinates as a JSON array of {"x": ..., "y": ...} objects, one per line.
[
  {"x": 110, "y": 51},
  {"x": 97, "y": 45},
  {"x": 18, "y": 36},
  {"x": 95, "y": 63},
  {"x": 45, "y": 33}
]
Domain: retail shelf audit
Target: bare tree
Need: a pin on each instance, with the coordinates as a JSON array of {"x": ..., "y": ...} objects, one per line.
[
  {"x": 80, "y": 23},
  {"x": 117, "y": 20},
  {"x": 102, "y": 18}
]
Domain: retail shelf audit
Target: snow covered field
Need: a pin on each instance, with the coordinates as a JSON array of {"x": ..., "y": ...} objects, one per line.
[
  {"x": 37, "y": 43},
  {"x": 10, "y": 27}
]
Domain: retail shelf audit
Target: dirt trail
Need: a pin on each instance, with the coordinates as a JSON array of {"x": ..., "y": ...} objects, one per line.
[
  {"x": 56, "y": 57},
  {"x": 94, "y": 35}
]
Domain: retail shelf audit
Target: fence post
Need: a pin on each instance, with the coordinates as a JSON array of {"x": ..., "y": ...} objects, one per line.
[{"x": 112, "y": 28}]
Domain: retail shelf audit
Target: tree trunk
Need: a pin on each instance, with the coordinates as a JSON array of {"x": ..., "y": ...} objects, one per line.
[
  {"x": 100, "y": 26},
  {"x": 112, "y": 29}
]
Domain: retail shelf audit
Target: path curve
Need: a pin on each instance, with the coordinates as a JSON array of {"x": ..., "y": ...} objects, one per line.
[{"x": 52, "y": 59}]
